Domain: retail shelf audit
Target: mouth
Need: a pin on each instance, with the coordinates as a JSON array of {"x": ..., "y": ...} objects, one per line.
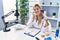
[{"x": 36, "y": 12}]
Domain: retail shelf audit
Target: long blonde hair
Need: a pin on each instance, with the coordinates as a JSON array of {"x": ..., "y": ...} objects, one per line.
[{"x": 40, "y": 17}]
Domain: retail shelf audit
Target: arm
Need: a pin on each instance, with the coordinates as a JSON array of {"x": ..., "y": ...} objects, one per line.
[
  {"x": 30, "y": 21},
  {"x": 33, "y": 17},
  {"x": 48, "y": 24}
]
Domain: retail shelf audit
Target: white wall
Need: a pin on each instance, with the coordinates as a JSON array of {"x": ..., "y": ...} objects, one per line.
[
  {"x": 8, "y": 6},
  {"x": 5, "y": 7},
  {"x": 1, "y": 13}
]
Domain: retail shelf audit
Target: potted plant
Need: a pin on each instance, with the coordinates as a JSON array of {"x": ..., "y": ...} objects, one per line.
[
  {"x": 23, "y": 10},
  {"x": 54, "y": 14}
]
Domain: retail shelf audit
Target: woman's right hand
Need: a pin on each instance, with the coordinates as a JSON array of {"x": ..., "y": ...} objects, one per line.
[{"x": 34, "y": 15}]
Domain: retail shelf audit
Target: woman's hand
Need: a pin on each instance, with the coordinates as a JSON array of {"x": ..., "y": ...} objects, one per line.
[
  {"x": 42, "y": 35},
  {"x": 34, "y": 15},
  {"x": 46, "y": 24},
  {"x": 47, "y": 34}
]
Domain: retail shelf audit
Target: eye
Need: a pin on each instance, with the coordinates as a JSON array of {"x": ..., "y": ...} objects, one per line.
[
  {"x": 34, "y": 9},
  {"x": 37, "y": 8}
]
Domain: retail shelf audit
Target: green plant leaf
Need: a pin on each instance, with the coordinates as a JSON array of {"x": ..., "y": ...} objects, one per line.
[{"x": 23, "y": 9}]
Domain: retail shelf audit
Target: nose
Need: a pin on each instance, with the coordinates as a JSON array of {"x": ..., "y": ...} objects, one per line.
[{"x": 36, "y": 11}]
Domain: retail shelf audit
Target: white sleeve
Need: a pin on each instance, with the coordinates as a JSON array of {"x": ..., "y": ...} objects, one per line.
[
  {"x": 29, "y": 23},
  {"x": 45, "y": 17},
  {"x": 48, "y": 28}
]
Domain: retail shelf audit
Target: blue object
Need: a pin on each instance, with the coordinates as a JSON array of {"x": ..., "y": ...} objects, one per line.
[
  {"x": 57, "y": 33},
  {"x": 49, "y": 38}
]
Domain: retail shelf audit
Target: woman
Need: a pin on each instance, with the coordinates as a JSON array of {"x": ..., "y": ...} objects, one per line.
[{"x": 38, "y": 19}]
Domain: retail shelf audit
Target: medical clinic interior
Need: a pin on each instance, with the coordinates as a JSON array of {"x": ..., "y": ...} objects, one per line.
[{"x": 29, "y": 19}]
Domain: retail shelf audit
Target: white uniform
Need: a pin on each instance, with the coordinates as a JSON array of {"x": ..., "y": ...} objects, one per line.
[{"x": 41, "y": 26}]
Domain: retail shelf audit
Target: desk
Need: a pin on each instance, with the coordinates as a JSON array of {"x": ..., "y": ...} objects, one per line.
[{"x": 16, "y": 34}]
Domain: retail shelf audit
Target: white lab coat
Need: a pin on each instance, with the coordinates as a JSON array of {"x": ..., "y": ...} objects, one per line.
[{"x": 35, "y": 24}]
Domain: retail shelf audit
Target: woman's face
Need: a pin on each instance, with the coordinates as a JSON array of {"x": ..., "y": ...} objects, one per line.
[{"x": 36, "y": 10}]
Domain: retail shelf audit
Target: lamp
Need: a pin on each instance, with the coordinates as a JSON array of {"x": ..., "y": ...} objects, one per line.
[
  {"x": 5, "y": 23},
  {"x": 16, "y": 14}
]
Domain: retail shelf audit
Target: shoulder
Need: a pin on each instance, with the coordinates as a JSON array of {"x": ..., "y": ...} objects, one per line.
[{"x": 44, "y": 17}]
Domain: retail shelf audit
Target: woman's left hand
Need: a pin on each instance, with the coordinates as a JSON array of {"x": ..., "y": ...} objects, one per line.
[
  {"x": 47, "y": 34},
  {"x": 46, "y": 24}
]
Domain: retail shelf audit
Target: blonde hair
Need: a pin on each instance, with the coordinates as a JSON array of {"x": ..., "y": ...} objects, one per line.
[
  {"x": 37, "y": 5},
  {"x": 40, "y": 17}
]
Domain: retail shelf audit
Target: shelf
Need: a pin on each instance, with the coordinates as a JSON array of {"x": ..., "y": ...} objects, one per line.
[
  {"x": 33, "y": 0},
  {"x": 52, "y": 18},
  {"x": 50, "y": 5},
  {"x": 58, "y": 19}
]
